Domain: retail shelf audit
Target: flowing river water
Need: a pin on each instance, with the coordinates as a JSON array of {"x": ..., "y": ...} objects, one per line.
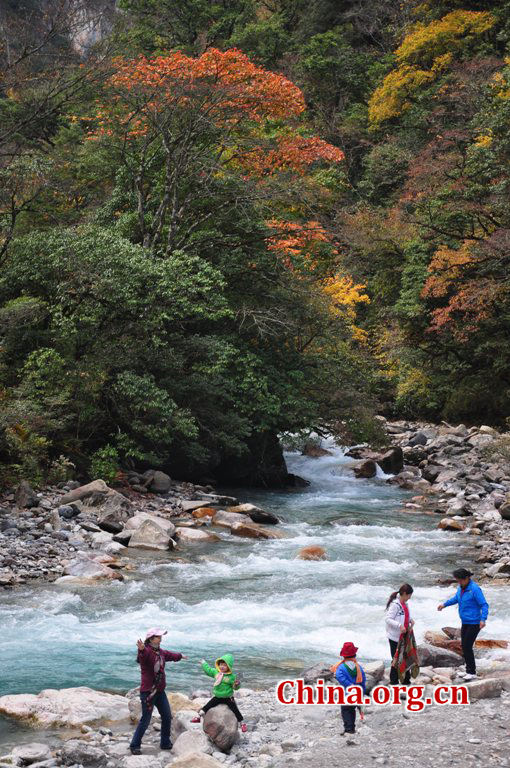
[{"x": 276, "y": 614}]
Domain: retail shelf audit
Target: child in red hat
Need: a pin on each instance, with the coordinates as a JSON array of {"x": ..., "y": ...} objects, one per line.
[{"x": 349, "y": 672}]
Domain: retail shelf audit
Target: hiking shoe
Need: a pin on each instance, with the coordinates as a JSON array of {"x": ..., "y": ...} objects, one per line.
[
  {"x": 135, "y": 750},
  {"x": 195, "y": 719},
  {"x": 244, "y": 727},
  {"x": 165, "y": 749},
  {"x": 469, "y": 677}
]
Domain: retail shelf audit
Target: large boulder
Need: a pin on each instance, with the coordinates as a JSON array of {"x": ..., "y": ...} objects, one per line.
[
  {"x": 178, "y": 702},
  {"x": 449, "y": 524},
  {"x": 256, "y": 514},
  {"x": 392, "y": 462},
  {"x": 160, "y": 482},
  {"x": 189, "y": 742},
  {"x": 318, "y": 671},
  {"x": 202, "y": 512},
  {"x": 439, "y": 640},
  {"x": 80, "y": 752},
  {"x": 87, "y": 567},
  {"x": 68, "y": 707},
  {"x": 375, "y": 669},
  {"x": 488, "y": 688},
  {"x": 114, "y": 511},
  {"x": 431, "y": 656},
  {"x": 84, "y": 491},
  {"x": 195, "y": 760},
  {"x": 151, "y": 535},
  {"x": 418, "y": 439},
  {"x": 194, "y": 535},
  {"x": 254, "y": 531},
  {"x": 312, "y": 553},
  {"x": 25, "y": 496},
  {"x": 32, "y": 753},
  {"x": 366, "y": 469},
  {"x": 220, "y": 725},
  {"x": 226, "y": 519}
]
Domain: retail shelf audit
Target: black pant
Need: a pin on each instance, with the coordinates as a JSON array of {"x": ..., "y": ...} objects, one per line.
[
  {"x": 349, "y": 718},
  {"x": 468, "y": 635},
  {"x": 230, "y": 704},
  {"x": 393, "y": 671}
]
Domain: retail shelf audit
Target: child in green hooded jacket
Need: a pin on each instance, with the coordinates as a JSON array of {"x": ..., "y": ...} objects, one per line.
[{"x": 225, "y": 682}]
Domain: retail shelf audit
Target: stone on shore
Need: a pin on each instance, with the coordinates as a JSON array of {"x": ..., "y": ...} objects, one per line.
[
  {"x": 190, "y": 742},
  {"x": 488, "y": 688},
  {"x": 312, "y": 553},
  {"x": 25, "y": 496},
  {"x": 194, "y": 535},
  {"x": 96, "y": 486},
  {"x": 202, "y": 512},
  {"x": 256, "y": 514},
  {"x": 449, "y": 524},
  {"x": 254, "y": 531},
  {"x": 195, "y": 760},
  {"x": 87, "y": 567},
  {"x": 32, "y": 753},
  {"x": 220, "y": 725},
  {"x": 68, "y": 707},
  {"x": 431, "y": 656},
  {"x": 226, "y": 519},
  {"x": 319, "y": 671},
  {"x": 179, "y": 701},
  {"x": 152, "y": 535},
  {"x": 160, "y": 482},
  {"x": 78, "y": 752}
]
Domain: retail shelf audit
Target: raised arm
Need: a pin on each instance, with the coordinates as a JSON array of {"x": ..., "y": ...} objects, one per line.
[
  {"x": 172, "y": 656},
  {"x": 209, "y": 670}
]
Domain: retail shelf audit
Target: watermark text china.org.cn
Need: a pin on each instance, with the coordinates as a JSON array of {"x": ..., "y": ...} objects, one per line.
[{"x": 296, "y": 692}]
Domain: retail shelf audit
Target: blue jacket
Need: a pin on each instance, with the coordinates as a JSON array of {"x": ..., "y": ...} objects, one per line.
[
  {"x": 473, "y": 607},
  {"x": 345, "y": 679}
]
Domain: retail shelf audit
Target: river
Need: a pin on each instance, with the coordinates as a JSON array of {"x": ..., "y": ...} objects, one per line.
[{"x": 275, "y": 613}]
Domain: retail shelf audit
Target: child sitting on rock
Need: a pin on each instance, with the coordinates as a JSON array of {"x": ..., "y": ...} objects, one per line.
[
  {"x": 349, "y": 672},
  {"x": 225, "y": 682}
]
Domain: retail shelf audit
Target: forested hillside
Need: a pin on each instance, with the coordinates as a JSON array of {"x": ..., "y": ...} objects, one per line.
[{"x": 221, "y": 221}]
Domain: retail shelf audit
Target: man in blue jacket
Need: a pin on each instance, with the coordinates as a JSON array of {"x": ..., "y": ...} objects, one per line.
[{"x": 473, "y": 612}]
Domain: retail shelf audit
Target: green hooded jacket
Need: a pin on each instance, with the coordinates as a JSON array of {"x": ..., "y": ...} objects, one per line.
[{"x": 226, "y": 688}]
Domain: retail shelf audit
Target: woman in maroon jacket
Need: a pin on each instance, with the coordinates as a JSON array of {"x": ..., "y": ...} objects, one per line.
[{"x": 152, "y": 660}]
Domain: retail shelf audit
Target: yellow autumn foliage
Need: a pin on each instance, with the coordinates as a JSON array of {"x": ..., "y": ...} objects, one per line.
[{"x": 425, "y": 52}]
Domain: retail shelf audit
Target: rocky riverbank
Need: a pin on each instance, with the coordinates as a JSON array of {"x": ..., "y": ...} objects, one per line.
[
  {"x": 461, "y": 474},
  {"x": 279, "y": 736},
  {"x": 86, "y": 533}
]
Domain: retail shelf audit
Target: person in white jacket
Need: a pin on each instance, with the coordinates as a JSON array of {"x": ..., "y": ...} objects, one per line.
[{"x": 398, "y": 620}]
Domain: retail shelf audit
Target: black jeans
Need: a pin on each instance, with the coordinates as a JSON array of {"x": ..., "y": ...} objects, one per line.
[
  {"x": 161, "y": 703},
  {"x": 468, "y": 635},
  {"x": 393, "y": 672},
  {"x": 349, "y": 718},
  {"x": 230, "y": 704}
]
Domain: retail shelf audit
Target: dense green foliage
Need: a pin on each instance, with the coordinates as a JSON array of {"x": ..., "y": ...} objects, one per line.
[{"x": 177, "y": 340}]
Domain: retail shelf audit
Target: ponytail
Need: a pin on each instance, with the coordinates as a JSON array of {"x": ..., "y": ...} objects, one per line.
[{"x": 405, "y": 589}]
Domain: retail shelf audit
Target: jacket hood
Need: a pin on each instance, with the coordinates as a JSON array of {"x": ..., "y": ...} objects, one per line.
[{"x": 228, "y": 659}]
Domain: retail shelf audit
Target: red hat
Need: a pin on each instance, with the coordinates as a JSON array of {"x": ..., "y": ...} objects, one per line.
[{"x": 348, "y": 650}]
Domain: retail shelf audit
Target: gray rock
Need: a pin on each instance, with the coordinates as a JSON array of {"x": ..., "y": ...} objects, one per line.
[
  {"x": 189, "y": 742},
  {"x": 160, "y": 483},
  {"x": 319, "y": 671},
  {"x": 418, "y": 439},
  {"x": 366, "y": 469},
  {"x": 32, "y": 753},
  {"x": 220, "y": 725},
  {"x": 25, "y": 496},
  {"x": 76, "y": 751},
  {"x": 431, "y": 656}
]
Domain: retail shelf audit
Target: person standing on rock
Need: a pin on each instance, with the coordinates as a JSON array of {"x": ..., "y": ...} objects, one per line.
[
  {"x": 152, "y": 658},
  {"x": 225, "y": 682},
  {"x": 398, "y": 622},
  {"x": 473, "y": 612}
]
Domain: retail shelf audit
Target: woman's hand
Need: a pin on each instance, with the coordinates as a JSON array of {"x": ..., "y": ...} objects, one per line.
[
  {"x": 140, "y": 645},
  {"x": 482, "y": 624},
  {"x": 411, "y": 624},
  {"x": 183, "y": 657}
]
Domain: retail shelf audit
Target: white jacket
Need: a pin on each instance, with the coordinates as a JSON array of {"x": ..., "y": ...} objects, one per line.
[{"x": 395, "y": 619}]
